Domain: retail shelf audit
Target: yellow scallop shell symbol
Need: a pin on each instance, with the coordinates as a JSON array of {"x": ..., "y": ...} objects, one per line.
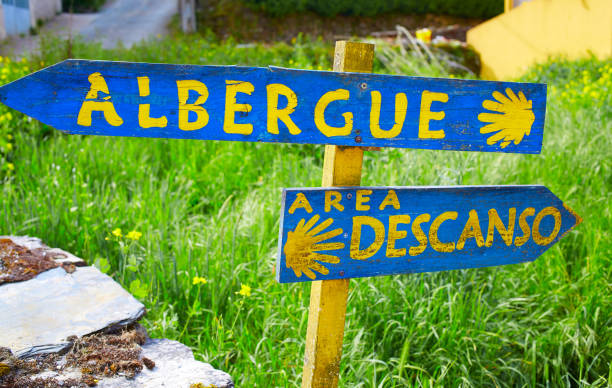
[{"x": 511, "y": 121}]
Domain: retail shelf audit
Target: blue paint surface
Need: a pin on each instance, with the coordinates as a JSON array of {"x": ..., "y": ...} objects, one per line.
[
  {"x": 55, "y": 95},
  {"x": 413, "y": 202}
]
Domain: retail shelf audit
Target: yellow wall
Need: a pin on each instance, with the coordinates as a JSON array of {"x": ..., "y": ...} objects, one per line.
[{"x": 532, "y": 32}]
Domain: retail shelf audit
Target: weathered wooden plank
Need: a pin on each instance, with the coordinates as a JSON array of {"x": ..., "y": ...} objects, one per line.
[
  {"x": 343, "y": 233},
  {"x": 328, "y": 298},
  {"x": 282, "y": 105}
]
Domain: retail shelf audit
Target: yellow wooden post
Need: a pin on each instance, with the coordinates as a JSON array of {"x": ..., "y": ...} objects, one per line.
[{"x": 341, "y": 167}]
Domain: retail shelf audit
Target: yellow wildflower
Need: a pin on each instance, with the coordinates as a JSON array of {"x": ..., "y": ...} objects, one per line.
[
  {"x": 199, "y": 280},
  {"x": 244, "y": 290},
  {"x": 134, "y": 235},
  {"x": 10, "y": 166},
  {"x": 117, "y": 232},
  {"x": 9, "y": 146}
]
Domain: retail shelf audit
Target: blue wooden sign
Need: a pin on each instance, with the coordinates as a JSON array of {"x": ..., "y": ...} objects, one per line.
[
  {"x": 282, "y": 105},
  {"x": 337, "y": 233}
]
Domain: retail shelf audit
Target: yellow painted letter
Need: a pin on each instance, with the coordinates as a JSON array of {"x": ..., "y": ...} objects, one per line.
[
  {"x": 379, "y": 239},
  {"x": 419, "y": 234},
  {"x": 395, "y": 235},
  {"x": 547, "y": 211},
  {"x": 361, "y": 199},
  {"x": 426, "y": 115},
  {"x": 471, "y": 230},
  {"x": 183, "y": 87},
  {"x": 98, "y": 84},
  {"x": 301, "y": 202},
  {"x": 275, "y": 114},
  {"x": 335, "y": 201},
  {"x": 401, "y": 105},
  {"x": 390, "y": 199},
  {"x": 231, "y": 107},
  {"x": 144, "y": 110},
  {"x": 436, "y": 244},
  {"x": 528, "y": 212},
  {"x": 496, "y": 223},
  {"x": 319, "y": 114}
]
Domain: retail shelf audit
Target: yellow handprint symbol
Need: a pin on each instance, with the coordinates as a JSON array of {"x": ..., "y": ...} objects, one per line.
[
  {"x": 513, "y": 121},
  {"x": 302, "y": 246}
]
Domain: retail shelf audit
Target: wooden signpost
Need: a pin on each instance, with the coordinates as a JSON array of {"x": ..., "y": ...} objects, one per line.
[
  {"x": 329, "y": 235},
  {"x": 344, "y": 233},
  {"x": 282, "y": 106}
]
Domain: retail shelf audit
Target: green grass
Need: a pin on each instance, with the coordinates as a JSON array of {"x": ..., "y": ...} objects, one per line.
[{"x": 211, "y": 209}]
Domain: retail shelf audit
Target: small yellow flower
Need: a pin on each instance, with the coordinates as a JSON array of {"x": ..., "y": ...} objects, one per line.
[
  {"x": 117, "y": 232},
  {"x": 199, "y": 280},
  {"x": 10, "y": 166},
  {"x": 244, "y": 290},
  {"x": 134, "y": 235},
  {"x": 9, "y": 146}
]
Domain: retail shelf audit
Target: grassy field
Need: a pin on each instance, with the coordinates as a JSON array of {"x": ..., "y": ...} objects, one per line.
[{"x": 208, "y": 213}]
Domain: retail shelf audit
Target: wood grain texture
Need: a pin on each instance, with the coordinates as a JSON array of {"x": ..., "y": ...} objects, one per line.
[
  {"x": 354, "y": 108},
  {"x": 326, "y": 317},
  {"x": 374, "y": 231}
]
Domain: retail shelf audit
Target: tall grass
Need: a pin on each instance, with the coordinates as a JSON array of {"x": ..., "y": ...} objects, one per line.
[{"x": 211, "y": 209}]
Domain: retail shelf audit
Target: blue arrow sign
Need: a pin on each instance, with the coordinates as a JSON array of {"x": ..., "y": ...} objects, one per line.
[
  {"x": 282, "y": 105},
  {"x": 336, "y": 233}
]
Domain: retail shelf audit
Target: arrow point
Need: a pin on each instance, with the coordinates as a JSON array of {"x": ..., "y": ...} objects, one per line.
[{"x": 576, "y": 216}]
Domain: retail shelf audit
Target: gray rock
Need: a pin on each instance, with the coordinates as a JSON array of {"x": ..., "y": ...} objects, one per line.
[
  {"x": 39, "y": 314},
  {"x": 59, "y": 255},
  {"x": 175, "y": 367},
  {"x": 26, "y": 241}
]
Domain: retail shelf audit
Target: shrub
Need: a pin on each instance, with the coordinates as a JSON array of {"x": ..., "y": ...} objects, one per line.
[
  {"x": 466, "y": 8},
  {"x": 82, "y": 5}
]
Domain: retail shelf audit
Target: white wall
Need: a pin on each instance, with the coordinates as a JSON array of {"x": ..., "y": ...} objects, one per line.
[
  {"x": 2, "y": 27},
  {"x": 44, "y": 10}
]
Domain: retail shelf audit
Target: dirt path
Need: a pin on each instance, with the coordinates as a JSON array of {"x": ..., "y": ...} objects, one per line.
[{"x": 126, "y": 21}]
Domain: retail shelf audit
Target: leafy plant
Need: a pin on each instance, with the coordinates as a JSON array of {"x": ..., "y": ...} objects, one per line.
[
  {"x": 80, "y": 6},
  {"x": 467, "y": 8}
]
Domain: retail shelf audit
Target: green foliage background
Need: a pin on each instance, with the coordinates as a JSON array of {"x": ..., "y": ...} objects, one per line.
[
  {"x": 466, "y": 8},
  {"x": 210, "y": 210},
  {"x": 82, "y": 5}
]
